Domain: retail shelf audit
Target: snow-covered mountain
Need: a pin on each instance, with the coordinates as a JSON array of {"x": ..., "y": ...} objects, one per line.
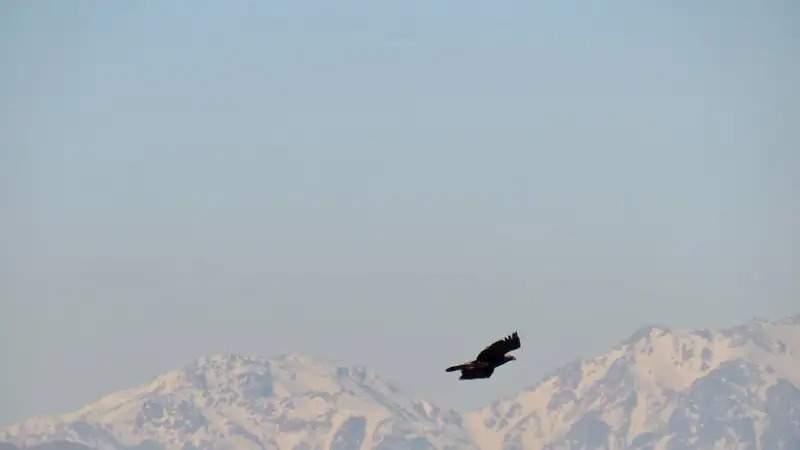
[
  {"x": 734, "y": 389},
  {"x": 237, "y": 402}
]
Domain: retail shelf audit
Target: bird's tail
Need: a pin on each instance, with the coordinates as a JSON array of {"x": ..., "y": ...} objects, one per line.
[{"x": 458, "y": 367}]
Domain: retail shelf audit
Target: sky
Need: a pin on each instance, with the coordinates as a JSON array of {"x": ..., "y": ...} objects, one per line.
[{"x": 393, "y": 184}]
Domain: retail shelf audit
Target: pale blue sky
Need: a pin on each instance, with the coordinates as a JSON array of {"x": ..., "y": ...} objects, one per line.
[{"x": 385, "y": 184}]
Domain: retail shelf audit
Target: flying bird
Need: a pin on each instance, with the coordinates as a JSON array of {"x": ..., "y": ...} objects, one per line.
[{"x": 489, "y": 359}]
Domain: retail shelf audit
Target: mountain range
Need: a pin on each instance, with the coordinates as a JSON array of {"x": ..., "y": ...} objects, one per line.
[{"x": 661, "y": 389}]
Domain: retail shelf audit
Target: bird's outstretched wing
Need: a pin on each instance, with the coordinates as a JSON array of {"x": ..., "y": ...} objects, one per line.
[{"x": 500, "y": 348}]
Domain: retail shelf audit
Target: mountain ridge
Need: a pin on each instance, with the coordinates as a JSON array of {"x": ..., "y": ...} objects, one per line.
[
  {"x": 628, "y": 393},
  {"x": 659, "y": 389}
]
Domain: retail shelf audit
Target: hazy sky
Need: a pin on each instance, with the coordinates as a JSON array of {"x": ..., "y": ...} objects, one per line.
[{"x": 392, "y": 184}]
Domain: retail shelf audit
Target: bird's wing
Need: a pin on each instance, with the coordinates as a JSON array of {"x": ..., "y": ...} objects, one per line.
[
  {"x": 500, "y": 348},
  {"x": 471, "y": 374}
]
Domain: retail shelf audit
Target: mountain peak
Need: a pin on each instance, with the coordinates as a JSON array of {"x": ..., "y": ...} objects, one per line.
[
  {"x": 660, "y": 389},
  {"x": 291, "y": 401},
  {"x": 647, "y": 332}
]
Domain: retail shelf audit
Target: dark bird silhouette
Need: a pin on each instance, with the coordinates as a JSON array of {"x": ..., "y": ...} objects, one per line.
[{"x": 489, "y": 359}]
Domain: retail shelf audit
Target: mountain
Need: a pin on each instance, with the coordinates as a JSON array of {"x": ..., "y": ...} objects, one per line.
[
  {"x": 734, "y": 389},
  {"x": 239, "y": 402},
  {"x": 661, "y": 389}
]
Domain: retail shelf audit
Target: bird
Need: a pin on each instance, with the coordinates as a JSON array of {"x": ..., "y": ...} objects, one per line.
[{"x": 489, "y": 359}]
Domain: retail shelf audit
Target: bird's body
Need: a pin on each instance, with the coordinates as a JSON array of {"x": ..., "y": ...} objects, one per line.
[{"x": 489, "y": 359}]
